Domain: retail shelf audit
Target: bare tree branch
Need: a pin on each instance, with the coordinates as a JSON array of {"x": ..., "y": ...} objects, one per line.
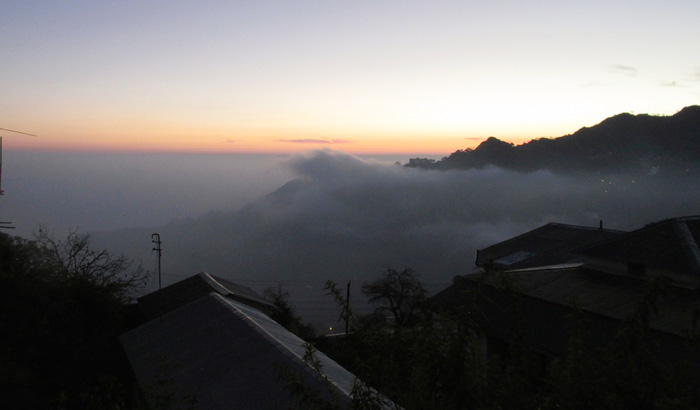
[{"x": 73, "y": 258}]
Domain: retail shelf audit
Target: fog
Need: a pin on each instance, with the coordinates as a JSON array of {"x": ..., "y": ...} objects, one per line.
[
  {"x": 110, "y": 191},
  {"x": 262, "y": 220}
]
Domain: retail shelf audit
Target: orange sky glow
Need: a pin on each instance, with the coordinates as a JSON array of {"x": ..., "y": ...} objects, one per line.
[{"x": 368, "y": 78}]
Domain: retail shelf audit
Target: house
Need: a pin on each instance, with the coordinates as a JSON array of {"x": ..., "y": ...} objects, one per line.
[
  {"x": 667, "y": 248},
  {"x": 532, "y": 286},
  {"x": 160, "y": 302},
  {"x": 219, "y": 350},
  {"x": 551, "y": 244}
]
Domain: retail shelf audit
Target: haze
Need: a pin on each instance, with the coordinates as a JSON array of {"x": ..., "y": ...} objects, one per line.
[{"x": 346, "y": 218}]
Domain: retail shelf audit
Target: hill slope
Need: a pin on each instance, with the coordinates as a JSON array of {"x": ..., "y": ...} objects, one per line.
[{"x": 625, "y": 142}]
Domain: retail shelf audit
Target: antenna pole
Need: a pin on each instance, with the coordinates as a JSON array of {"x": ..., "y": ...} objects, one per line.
[
  {"x": 155, "y": 238},
  {"x": 17, "y": 132}
]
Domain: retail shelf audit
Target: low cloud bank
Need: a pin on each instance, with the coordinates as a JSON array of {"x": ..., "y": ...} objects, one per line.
[
  {"x": 323, "y": 215},
  {"x": 348, "y": 218},
  {"x": 344, "y": 218}
]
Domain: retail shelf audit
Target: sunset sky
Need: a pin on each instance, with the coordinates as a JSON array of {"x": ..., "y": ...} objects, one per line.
[{"x": 360, "y": 77}]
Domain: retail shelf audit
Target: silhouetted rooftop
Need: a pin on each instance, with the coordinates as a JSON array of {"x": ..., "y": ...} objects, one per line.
[
  {"x": 547, "y": 298},
  {"x": 669, "y": 245},
  {"x": 227, "y": 355},
  {"x": 556, "y": 272},
  {"x": 550, "y": 244},
  {"x": 178, "y": 294}
]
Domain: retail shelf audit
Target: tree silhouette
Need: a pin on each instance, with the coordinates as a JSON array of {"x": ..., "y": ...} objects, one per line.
[{"x": 399, "y": 293}]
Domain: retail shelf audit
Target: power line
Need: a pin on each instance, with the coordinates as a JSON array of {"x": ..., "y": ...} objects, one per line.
[{"x": 18, "y": 132}]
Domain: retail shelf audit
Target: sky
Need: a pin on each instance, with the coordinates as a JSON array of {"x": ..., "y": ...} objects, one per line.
[{"x": 360, "y": 77}]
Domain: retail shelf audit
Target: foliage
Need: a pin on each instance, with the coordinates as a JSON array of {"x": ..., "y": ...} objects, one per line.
[
  {"x": 439, "y": 361},
  {"x": 346, "y": 313},
  {"x": 285, "y": 315},
  {"x": 304, "y": 395},
  {"x": 363, "y": 397},
  {"x": 72, "y": 257},
  {"x": 399, "y": 293},
  {"x": 162, "y": 392},
  {"x": 63, "y": 306}
]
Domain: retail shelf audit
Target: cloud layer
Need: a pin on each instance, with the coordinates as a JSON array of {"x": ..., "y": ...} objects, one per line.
[
  {"x": 345, "y": 218},
  {"x": 326, "y": 215},
  {"x": 348, "y": 218}
]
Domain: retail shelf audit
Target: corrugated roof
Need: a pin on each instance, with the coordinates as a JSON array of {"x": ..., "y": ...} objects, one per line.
[
  {"x": 224, "y": 353},
  {"x": 547, "y": 245}
]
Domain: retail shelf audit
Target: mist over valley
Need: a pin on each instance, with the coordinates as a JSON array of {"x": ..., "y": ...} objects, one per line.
[{"x": 319, "y": 215}]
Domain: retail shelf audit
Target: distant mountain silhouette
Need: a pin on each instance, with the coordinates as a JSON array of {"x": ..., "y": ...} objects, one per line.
[{"x": 624, "y": 142}]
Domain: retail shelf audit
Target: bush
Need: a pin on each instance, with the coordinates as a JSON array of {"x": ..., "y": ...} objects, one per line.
[{"x": 63, "y": 307}]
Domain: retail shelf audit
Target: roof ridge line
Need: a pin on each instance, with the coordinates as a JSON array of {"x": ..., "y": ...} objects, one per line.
[
  {"x": 590, "y": 228},
  {"x": 690, "y": 247},
  {"x": 208, "y": 278},
  {"x": 277, "y": 343}
]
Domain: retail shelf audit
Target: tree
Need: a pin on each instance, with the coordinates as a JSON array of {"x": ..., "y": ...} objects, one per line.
[
  {"x": 74, "y": 258},
  {"x": 346, "y": 313},
  {"x": 63, "y": 305},
  {"x": 285, "y": 314},
  {"x": 401, "y": 293}
]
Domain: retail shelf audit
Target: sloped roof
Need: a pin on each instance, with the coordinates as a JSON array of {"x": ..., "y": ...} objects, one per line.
[
  {"x": 546, "y": 298},
  {"x": 606, "y": 295},
  {"x": 670, "y": 245},
  {"x": 224, "y": 353},
  {"x": 188, "y": 290},
  {"x": 547, "y": 245},
  {"x": 538, "y": 269}
]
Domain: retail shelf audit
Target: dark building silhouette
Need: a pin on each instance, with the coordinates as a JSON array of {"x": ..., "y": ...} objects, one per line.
[
  {"x": 208, "y": 341},
  {"x": 534, "y": 284}
]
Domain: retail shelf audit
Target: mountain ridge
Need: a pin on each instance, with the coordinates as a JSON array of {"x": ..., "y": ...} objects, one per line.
[{"x": 624, "y": 142}]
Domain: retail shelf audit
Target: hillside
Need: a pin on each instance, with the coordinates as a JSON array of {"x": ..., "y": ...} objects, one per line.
[{"x": 625, "y": 142}]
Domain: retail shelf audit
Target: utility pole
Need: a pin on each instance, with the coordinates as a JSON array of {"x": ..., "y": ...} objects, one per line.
[
  {"x": 347, "y": 313},
  {"x": 155, "y": 238}
]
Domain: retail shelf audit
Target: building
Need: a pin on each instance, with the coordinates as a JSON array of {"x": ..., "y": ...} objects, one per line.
[
  {"x": 551, "y": 244},
  {"x": 218, "y": 350},
  {"x": 160, "y": 302},
  {"x": 533, "y": 285}
]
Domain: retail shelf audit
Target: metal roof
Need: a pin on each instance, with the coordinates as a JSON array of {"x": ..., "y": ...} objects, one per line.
[
  {"x": 547, "y": 270},
  {"x": 606, "y": 295},
  {"x": 670, "y": 245},
  {"x": 225, "y": 354},
  {"x": 547, "y": 297},
  {"x": 178, "y": 294},
  {"x": 549, "y": 244}
]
